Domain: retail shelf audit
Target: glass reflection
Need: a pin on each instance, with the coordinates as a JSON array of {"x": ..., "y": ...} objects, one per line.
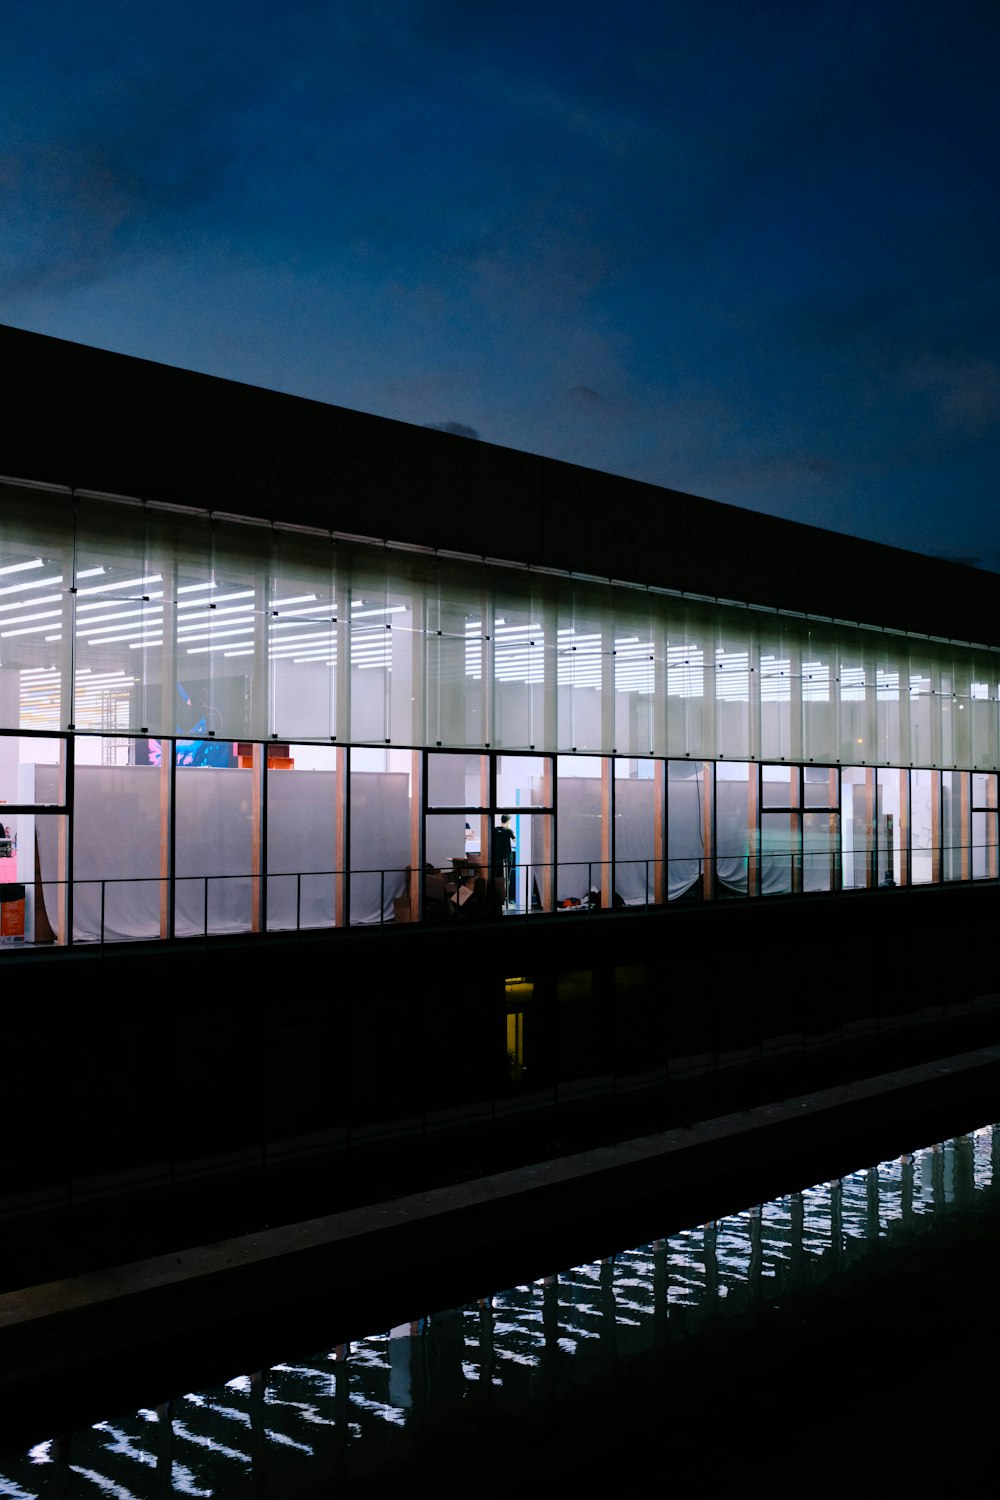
[{"x": 351, "y": 1411}]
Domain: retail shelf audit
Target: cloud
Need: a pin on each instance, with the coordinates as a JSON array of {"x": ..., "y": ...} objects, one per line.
[
  {"x": 459, "y": 429},
  {"x": 965, "y": 391}
]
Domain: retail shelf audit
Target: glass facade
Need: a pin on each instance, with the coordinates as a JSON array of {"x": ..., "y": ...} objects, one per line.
[{"x": 209, "y": 725}]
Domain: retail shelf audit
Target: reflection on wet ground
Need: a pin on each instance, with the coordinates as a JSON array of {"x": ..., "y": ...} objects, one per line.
[{"x": 351, "y": 1414}]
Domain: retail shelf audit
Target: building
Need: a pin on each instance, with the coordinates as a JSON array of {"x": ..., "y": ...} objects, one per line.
[{"x": 271, "y": 673}]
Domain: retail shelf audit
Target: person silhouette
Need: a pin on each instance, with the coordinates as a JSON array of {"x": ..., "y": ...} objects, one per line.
[{"x": 503, "y": 856}]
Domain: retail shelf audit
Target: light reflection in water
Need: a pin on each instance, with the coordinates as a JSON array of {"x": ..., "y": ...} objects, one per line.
[{"x": 353, "y": 1409}]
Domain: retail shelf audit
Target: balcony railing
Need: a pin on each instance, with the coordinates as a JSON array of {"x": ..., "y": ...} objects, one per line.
[{"x": 141, "y": 908}]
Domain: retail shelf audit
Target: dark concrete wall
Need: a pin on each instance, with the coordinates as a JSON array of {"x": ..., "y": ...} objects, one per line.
[
  {"x": 95, "y": 420},
  {"x": 163, "y": 1062}
]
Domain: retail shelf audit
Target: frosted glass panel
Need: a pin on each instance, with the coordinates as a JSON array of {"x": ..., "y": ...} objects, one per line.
[
  {"x": 116, "y": 841},
  {"x": 984, "y": 845},
  {"x": 222, "y": 633},
  {"x": 446, "y": 841},
  {"x": 889, "y": 827},
  {"x": 819, "y": 786},
  {"x": 637, "y": 787},
  {"x": 119, "y": 611},
  {"x": 302, "y": 840},
  {"x": 857, "y": 827},
  {"x": 820, "y": 849},
  {"x": 687, "y": 788},
  {"x": 458, "y": 657},
  {"x": 690, "y": 686},
  {"x": 982, "y": 709},
  {"x": 923, "y": 749},
  {"x": 634, "y": 675},
  {"x": 585, "y": 669},
  {"x": 954, "y": 817},
  {"x": 734, "y": 783},
  {"x": 779, "y": 786},
  {"x": 36, "y": 550},
  {"x": 923, "y": 830},
  {"x": 455, "y": 697},
  {"x": 732, "y": 692},
  {"x": 524, "y": 780},
  {"x": 303, "y": 637},
  {"x": 779, "y": 852},
  {"x": 890, "y": 662},
  {"x": 584, "y": 842},
  {"x": 819, "y": 697},
  {"x": 856, "y": 702},
  {"x": 525, "y": 669},
  {"x": 457, "y": 780},
  {"x": 213, "y": 849},
  {"x": 774, "y": 678},
  {"x": 370, "y": 648},
  {"x": 42, "y": 840},
  {"x": 305, "y": 630},
  {"x": 380, "y": 837}
]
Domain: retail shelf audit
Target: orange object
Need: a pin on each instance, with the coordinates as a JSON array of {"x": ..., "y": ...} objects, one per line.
[{"x": 12, "y": 919}]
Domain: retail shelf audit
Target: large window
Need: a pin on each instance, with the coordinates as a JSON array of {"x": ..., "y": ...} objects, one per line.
[
  {"x": 116, "y": 836},
  {"x": 924, "y": 826},
  {"x": 524, "y": 790},
  {"x": 584, "y": 827},
  {"x": 305, "y": 879},
  {"x": 382, "y": 796},
  {"x": 799, "y": 829},
  {"x": 735, "y": 826},
  {"x": 984, "y": 825},
  {"x": 689, "y": 794},
  {"x": 638, "y": 831}
]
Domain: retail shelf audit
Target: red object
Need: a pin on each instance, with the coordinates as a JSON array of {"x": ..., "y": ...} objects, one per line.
[{"x": 12, "y": 919}]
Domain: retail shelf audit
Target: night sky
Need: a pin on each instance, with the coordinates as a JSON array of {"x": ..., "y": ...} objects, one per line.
[{"x": 747, "y": 250}]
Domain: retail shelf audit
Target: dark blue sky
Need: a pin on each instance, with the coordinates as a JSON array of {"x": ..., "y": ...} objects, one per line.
[{"x": 748, "y": 250}]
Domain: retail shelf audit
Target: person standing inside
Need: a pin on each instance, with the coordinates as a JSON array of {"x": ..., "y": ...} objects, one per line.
[{"x": 503, "y": 856}]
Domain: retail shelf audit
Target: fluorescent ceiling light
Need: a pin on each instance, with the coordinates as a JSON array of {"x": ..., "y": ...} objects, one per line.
[
  {"x": 214, "y": 603},
  {"x": 121, "y": 583},
  {"x": 98, "y": 604},
  {"x": 297, "y": 599},
  {"x": 32, "y": 629},
  {"x": 96, "y": 627},
  {"x": 36, "y": 583},
  {"x": 129, "y": 635},
  {"x": 32, "y": 603}
]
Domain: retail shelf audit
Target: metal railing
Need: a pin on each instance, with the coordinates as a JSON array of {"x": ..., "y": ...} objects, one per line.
[{"x": 204, "y": 906}]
